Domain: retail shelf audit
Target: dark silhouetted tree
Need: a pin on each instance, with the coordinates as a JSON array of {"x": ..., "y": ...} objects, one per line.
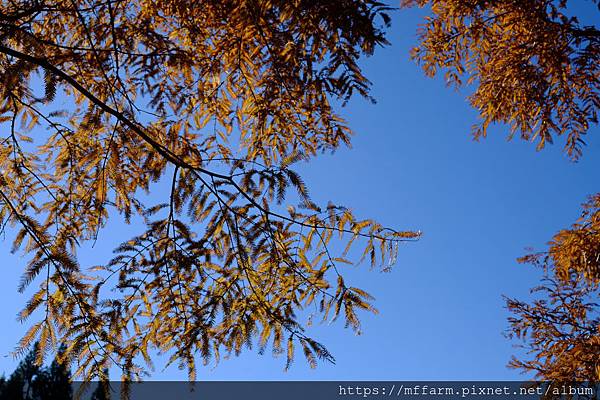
[
  {"x": 58, "y": 379},
  {"x": 102, "y": 390},
  {"x": 30, "y": 381},
  {"x": 27, "y": 381}
]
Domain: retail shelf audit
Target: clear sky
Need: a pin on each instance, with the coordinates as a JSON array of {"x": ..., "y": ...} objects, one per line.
[{"x": 413, "y": 165}]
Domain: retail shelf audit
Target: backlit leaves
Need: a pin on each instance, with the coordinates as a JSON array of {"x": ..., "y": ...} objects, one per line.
[
  {"x": 101, "y": 101},
  {"x": 533, "y": 65},
  {"x": 561, "y": 327}
]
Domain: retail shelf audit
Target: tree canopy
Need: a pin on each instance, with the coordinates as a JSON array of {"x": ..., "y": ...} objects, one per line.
[
  {"x": 533, "y": 64},
  {"x": 561, "y": 327},
  {"x": 101, "y": 99}
]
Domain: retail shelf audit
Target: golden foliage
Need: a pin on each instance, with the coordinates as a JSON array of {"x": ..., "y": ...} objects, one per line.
[
  {"x": 577, "y": 250},
  {"x": 218, "y": 97},
  {"x": 561, "y": 329},
  {"x": 533, "y": 65}
]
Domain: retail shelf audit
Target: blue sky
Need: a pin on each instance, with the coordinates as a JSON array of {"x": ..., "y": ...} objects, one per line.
[{"x": 413, "y": 165}]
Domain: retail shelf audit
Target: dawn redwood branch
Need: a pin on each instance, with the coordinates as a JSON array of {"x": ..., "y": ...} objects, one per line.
[{"x": 166, "y": 153}]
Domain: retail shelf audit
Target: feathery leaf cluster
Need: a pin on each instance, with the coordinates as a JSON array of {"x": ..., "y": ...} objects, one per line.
[{"x": 221, "y": 98}]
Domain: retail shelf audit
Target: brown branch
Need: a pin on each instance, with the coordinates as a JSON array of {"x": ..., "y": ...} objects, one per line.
[{"x": 159, "y": 148}]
